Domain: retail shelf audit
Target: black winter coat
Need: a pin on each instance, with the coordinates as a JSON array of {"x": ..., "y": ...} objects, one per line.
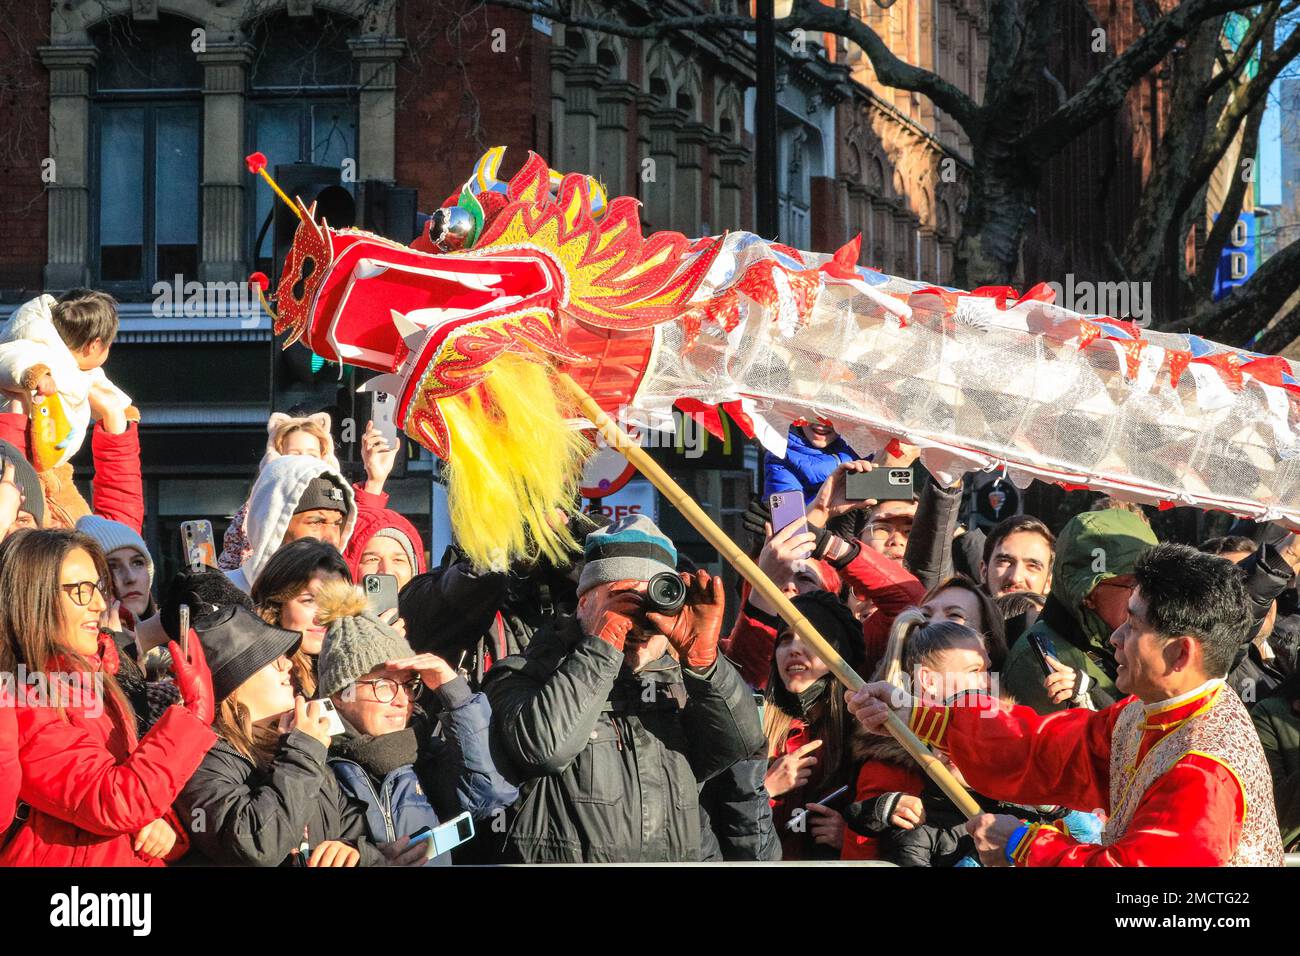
[
  {"x": 239, "y": 815},
  {"x": 609, "y": 763},
  {"x": 452, "y": 610},
  {"x": 738, "y": 811}
]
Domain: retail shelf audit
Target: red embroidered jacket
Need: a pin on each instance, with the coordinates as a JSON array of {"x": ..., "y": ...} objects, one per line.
[{"x": 1190, "y": 816}]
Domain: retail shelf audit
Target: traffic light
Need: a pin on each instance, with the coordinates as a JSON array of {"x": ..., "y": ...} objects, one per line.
[
  {"x": 302, "y": 379},
  {"x": 322, "y": 185},
  {"x": 390, "y": 211}
]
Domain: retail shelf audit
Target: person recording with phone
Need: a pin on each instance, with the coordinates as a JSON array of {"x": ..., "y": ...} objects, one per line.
[
  {"x": 608, "y": 735},
  {"x": 285, "y": 595},
  {"x": 93, "y": 792},
  {"x": 808, "y": 728},
  {"x": 264, "y": 795},
  {"x": 383, "y": 541},
  {"x": 413, "y": 765}
]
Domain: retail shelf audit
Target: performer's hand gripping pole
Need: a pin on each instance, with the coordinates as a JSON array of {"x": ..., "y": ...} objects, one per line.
[{"x": 761, "y": 583}]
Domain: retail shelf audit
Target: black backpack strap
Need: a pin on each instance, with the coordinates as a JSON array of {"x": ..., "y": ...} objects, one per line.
[{"x": 21, "y": 813}]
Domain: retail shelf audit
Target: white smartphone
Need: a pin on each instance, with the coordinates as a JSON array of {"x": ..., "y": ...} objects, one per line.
[
  {"x": 336, "y": 722},
  {"x": 383, "y": 413}
]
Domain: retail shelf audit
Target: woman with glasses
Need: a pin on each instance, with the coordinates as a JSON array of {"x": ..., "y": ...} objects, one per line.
[
  {"x": 415, "y": 744},
  {"x": 264, "y": 795},
  {"x": 92, "y": 793}
]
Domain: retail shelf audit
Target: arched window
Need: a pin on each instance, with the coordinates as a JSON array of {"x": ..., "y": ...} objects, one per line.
[
  {"x": 302, "y": 105},
  {"x": 146, "y": 129}
]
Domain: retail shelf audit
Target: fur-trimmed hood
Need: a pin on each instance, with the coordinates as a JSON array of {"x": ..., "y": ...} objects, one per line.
[{"x": 275, "y": 494}]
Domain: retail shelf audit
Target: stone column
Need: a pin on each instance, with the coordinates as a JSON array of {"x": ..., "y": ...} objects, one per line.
[
  {"x": 612, "y": 128},
  {"x": 377, "y": 111},
  {"x": 659, "y": 193},
  {"x": 68, "y": 262},
  {"x": 929, "y": 254},
  {"x": 688, "y": 199},
  {"x": 731, "y": 214},
  {"x": 562, "y": 58},
  {"x": 225, "y": 80},
  {"x": 581, "y": 87}
]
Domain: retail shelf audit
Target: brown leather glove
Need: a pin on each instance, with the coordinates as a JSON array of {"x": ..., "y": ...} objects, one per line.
[
  {"x": 695, "y": 629},
  {"x": 608, "y": 612}
]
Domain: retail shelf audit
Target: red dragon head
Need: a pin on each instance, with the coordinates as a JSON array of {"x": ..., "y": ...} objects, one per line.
[
  {"x": 545, "y": 273},
  {"x": 550, "y": 275}
]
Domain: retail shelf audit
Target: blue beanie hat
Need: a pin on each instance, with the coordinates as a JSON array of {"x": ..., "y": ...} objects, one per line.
[{"x": 631, "y": 549}]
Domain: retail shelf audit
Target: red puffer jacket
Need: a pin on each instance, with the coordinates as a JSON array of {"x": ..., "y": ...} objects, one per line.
[
  {"x": 91, "y": 786},
  {"x": 117, "y": 488},
  {"x": 11, "y": 773}
]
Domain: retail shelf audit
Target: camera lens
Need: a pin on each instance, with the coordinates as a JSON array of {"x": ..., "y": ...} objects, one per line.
[{"x": 665, "y": 593}]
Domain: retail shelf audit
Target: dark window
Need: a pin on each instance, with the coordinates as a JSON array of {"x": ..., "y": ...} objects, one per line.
[
  {"x": 147, "y": 118},
  {"x": 302, "y": 107}
]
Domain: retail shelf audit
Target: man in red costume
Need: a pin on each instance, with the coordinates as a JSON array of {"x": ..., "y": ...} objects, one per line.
[{"x": 1177, "y": 765}]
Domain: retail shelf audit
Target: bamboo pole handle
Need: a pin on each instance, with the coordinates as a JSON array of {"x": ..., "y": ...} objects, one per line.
[{"x": 761, "y": 583}]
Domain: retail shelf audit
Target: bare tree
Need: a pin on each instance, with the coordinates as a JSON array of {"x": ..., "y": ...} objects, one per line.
[{"x": 1011, "y": 143}]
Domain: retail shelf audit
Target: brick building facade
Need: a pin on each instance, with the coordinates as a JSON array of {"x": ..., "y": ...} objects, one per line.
[{"x": 145, "y": 109}]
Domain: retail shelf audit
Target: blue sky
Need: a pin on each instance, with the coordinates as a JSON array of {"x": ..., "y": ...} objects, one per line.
[{"x": 1270, "y": 135}]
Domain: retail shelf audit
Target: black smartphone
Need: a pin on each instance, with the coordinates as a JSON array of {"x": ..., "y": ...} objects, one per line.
[
  {"x": 381, "y": 592},
  {"x": 1042, "y": 647},
  {"x": 882, "y": 484}
]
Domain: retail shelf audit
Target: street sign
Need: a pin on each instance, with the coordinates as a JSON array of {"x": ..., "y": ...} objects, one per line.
[
  {"x": 636, "y": 498},
  {"x": 1238, "y": 260}
]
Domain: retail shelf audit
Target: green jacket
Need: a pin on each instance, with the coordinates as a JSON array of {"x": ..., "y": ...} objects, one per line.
[
  {"x": 1279, "y": 731},
  {"x": 1093, "y": 546}
]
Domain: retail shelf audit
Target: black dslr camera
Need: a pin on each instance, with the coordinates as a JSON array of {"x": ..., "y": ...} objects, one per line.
[{"x": 665, "y": 593}]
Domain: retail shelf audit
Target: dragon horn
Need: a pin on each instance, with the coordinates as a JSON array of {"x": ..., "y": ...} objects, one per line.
[
  {"x": 408, "y": 330},
  {"x": 389, "y": 384}
]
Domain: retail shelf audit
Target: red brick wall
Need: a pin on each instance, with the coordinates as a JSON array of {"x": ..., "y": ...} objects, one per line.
[
  {"x": 456, "y": 97},
  {"x": 1089, "y": 188},
  {"x": 24, "y": 142}
]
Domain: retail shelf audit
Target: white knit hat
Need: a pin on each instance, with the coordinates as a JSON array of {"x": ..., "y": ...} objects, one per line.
[{"x": 112, "y": 535}]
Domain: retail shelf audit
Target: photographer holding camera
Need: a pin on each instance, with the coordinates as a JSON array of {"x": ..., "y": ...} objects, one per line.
[{"x": 606, "y": 734}]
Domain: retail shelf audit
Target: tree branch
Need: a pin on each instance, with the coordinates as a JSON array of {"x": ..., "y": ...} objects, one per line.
[
  {"x": 1104, "y": 93},
  {"x": 1235, "y": 318},
  {"x": 1280, "y": 334},
  {"x": 1245, "y": 50},
  {"x": 806, "y": 15},
  {"x": 1203, "y": 281},
  {"x": 892, "y": 71}
]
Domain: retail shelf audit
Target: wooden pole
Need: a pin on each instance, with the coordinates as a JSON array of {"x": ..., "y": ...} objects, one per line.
[{"x": 761, "y": 583}]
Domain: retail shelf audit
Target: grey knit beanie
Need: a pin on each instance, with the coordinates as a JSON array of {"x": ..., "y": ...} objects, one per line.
[
  {"x": 356, "y": 642},
  {"x": 25, "y": 478},
  {"x": 631, "y": 549}
]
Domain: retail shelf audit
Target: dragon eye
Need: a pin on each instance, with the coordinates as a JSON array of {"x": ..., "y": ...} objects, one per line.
[{"x": 308, "y": 267}]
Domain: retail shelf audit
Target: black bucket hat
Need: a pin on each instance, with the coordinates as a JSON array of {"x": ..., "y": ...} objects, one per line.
[{"x": 237, "y": 644}]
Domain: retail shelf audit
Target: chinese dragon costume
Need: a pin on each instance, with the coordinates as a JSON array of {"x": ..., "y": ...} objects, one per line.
[{"x": 542, "y": 273}]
